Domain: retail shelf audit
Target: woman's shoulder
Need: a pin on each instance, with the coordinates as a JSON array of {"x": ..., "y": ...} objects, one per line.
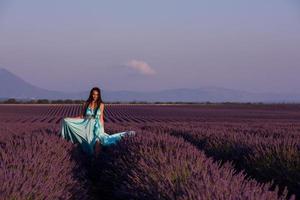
[{"x": 101, "y": 106}]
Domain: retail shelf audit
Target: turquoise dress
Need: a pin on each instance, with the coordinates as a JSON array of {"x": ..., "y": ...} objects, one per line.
[{"x": 88, "y": 130}]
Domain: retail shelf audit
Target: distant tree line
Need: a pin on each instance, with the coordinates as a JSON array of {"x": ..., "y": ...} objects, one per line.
[
  {"x": 76, "y": 101},
  {"x": 41, "y": 101},
  {"x": 80, "y": 101}
]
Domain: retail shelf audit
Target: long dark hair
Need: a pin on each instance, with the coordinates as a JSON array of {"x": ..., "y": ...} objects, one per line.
[{"x": 90, "y": 99}]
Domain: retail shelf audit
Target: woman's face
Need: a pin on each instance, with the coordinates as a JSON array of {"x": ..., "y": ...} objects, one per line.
[{"x": 95, "y": 95}]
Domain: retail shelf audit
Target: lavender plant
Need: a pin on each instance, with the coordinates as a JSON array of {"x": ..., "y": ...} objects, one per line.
[
  {"x": 38, "y": 165},
  {"x": 159, "y": 166}
]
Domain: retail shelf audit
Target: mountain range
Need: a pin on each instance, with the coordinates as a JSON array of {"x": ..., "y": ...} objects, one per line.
[{"x": 12, "y": 86}]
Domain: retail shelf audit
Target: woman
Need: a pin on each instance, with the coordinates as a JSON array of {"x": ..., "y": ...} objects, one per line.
[{"x": 88, "y": 128}]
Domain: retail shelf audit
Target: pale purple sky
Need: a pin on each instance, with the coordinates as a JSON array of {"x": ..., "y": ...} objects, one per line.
[{"x": 139, "y": 45}]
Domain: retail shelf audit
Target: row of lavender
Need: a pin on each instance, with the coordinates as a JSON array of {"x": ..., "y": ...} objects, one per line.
[
  {"x": 36, "y": 163},
  {"x": 52, "y": 114},
  {"x": 266, "y": 152},
  {"x": 152, "y": 113}
]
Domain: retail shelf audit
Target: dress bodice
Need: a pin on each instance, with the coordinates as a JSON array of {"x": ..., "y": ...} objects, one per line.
[
  {"x": 97, "y": 126},
  {"x": 91, "y": 111}
]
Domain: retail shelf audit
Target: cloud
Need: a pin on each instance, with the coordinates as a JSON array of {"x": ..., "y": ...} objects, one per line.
[{"x": 141, "y": 66}]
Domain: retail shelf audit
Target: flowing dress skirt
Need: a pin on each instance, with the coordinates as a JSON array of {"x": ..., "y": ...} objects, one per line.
[{"x": 87, "y": 131}]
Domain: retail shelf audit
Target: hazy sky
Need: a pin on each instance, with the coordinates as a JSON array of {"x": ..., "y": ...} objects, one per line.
[{"x": 141, "y": 45}]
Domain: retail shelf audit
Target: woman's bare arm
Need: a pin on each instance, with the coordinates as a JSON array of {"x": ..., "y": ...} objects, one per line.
[{"x": 102, "y": 113}]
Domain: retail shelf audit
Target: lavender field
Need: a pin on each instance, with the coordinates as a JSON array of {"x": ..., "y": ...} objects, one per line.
[{"x": 221, "y": 151}]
